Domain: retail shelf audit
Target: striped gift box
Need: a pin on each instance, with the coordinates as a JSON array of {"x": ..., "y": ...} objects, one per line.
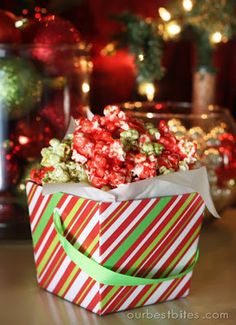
[{"x": 155, "y": 239}]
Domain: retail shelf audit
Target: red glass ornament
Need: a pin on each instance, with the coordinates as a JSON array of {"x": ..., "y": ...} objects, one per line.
[
  {"x": 53, "y": 37},
  {"x": 8, "y": 32},
  {"x": 12, "y": 172},
  {"x": 31, "y": 136}
]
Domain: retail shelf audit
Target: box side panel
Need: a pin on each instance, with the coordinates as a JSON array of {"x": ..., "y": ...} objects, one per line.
[
  {"x": 149, "y": 238},
  {"x": 55, "y": 271}
]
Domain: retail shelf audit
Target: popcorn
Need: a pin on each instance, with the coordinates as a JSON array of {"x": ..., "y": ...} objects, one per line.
[{"x": 113, "y": 149}]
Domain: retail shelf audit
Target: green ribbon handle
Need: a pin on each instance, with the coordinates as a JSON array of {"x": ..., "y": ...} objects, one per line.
[{"x": 101, "y": 273}]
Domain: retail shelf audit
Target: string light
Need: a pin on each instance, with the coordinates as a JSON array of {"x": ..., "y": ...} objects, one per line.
[
  {"x": 85, "y": 87},
  {"x": 173, "y": 29},
  {"x": 216, "y": 37},
  {"x": 187, "y": 5},
  {"x": 147, "y": 89},
  {"x": 164, "y": 14},
  {"x": 141, "y": 57}
]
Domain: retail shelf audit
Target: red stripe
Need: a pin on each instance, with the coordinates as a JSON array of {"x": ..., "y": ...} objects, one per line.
[
  {"x": 36, "y": 207},
  {"x": 72, "y": 281},
  {"x": 73, "y": 237},
  {"x": 146, "y": 232},
  {"x": 164, "y": 244},
  {"x": 94, "y": 302},
  {"x": 136, "y": 301},
  {"x": 87, "y": 284},
  {"x": 122, "y": 227},
  {"x": 51, "y": 237},
  {"x": 181, "y": 256},
  {"x": 60, "y": 255},
  {"x": 177, "y": 251},
  {"x": 88, "y": 241},
  {"x": 78, "y": 219},
  {"x": 60, "y": 203},
  {"x": 170, "y": 289},
  {"x": 32, "y": 192},
  {"x": 64, "y": 277},
  {"x": 121, "y": 207},
  {"x": 118, "y": 299},
  {"x": 114, "y": 236},
  {"x": 185, "y": 288}
]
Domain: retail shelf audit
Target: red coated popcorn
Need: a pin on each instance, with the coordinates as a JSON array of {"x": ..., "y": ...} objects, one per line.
[{"x": 114, "y": 149}]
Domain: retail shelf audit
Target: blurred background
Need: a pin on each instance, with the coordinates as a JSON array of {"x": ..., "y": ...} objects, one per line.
[{"x": 92, "y": 18}]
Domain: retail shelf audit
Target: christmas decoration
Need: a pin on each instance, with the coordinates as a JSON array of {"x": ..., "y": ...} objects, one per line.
[
  {"x": 145, "y": 43},
  {"x": 8, "y": 32},
  {"x": 53, "y": 38},
  {"x": 11, "y": 168},
  {"x": 19, "y": 189},
  {"x": 205, "y": 22},
  {"x": 20, "y": 86},
  {"x": 217, "y": 151},
  {"x": 30, "y": 136}
]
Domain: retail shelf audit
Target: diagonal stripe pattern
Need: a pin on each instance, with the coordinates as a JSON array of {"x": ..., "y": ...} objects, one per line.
[{"x": 148, "y": 238}]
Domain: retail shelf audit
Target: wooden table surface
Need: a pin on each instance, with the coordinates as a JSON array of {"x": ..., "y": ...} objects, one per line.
[{"x": 212, "y": 299}]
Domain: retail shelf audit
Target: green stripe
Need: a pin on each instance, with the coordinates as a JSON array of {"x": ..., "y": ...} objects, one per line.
[
  {"x": 168, "y": 269},
  {"x": 72, "y": 213},
  {"x": 110, "y": 294},
  {"x": 170, "y": 241},
  {"x": 126, "y": 244},
  {"x": 68, "y": 281},
  {"x": 161, "y": 234},
  {"x": 46, "y": 216},
  {"x": 91, "y": 246},
  {"x": 144, "y": 297},
  {"x": 113, "y": 217},
  {"x": 55, "y": 241}
]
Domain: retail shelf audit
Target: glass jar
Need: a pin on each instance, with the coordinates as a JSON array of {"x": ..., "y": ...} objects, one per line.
[
  {"x": 214, "y": 132},
  {"x": 40, "y": 88}
]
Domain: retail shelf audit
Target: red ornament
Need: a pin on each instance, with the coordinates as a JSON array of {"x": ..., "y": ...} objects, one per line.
[
  {"x": 8, "y": 32},
  {"x": 30, "y": 137},
  {"x": 11, "y": 170},
  {"x": 55, "y": 114},
  {"x": 52, "y": 37}
]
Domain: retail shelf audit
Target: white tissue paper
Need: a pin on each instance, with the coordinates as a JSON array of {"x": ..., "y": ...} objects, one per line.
[{"x": 177, "y": 183}]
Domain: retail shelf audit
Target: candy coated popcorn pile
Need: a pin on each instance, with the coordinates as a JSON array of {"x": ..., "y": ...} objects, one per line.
[{"x": 114, "y": 149}]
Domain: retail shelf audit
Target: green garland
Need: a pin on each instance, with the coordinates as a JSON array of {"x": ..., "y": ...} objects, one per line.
[
  {"x": 143, "y": 40},
  {"x": 145, "y": 37}
]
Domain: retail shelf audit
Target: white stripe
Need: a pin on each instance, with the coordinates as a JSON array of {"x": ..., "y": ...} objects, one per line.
[
  {"x": 59, "y": 274},
  {"x": 148, "y": 235},
  {"x": 39, "y": 212},
  {"x": 96, "y": 308},
  {"x": 29, "y": 186},
  {"x": 147, "y": 262},
  {"x": 90, "y": 295},
  {"x": 158, "y": 292},
  {"x": 127, "y": 229},
  {"x": 186, "y": 258},
  {"x": 51, "y": 260},
  {"x": 180, "y": 286},
  {"x": 129, "y": 300},
  {"x": 114, "y": 298},
  {"x": 111, "y": 208},
  {"x": 78, "y": 216},
  {"x": 89, "y": 227},
  {"x": 176, "y": 243},
  {"x": 50, "y": 230},
  {"x": 76, "y": 286},
  {"x": 34, "y": 199},
  {"x": 119, "y": 221}
]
